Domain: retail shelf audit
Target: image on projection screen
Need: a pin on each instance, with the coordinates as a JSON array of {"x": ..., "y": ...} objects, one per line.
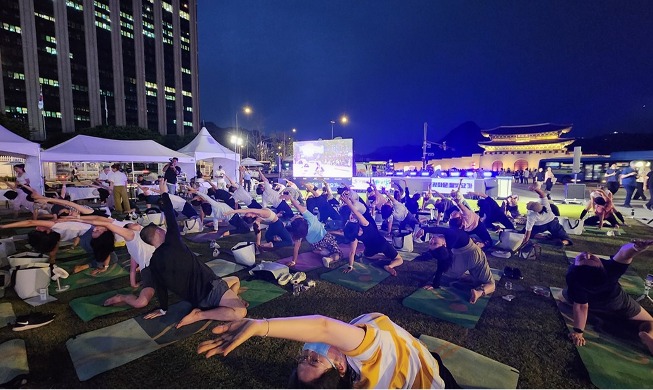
[{"x": 330, "y": 158}]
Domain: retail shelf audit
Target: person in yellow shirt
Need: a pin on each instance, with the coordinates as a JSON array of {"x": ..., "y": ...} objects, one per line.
[{"x": 369, "y": 352}]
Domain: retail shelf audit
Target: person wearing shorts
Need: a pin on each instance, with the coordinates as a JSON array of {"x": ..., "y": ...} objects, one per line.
[
  {"x": 366, "y": 232},
  {"x": 593, "y": 286}
]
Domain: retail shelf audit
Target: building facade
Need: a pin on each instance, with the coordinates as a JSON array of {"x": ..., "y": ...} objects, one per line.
[{"x": 73, "y": 64}]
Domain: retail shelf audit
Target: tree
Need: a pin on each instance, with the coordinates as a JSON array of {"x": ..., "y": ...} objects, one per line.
[{"x": 14, "y": 125}]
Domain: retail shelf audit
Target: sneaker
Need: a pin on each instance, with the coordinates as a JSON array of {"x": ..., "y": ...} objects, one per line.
[
  {"x": 31, "y": 321},
  {"x": 326, "y": 261},
  {"x": 216, "y": 252},
  {"x": 298, "y": 278},
  {"x": 284, "y": 279},
  {"x": 214, "y": 245}
]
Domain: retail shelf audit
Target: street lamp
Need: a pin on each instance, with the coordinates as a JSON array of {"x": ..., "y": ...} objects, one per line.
[
  {"x": 238, "y": 142},
  {"x": 343, "y": 120},
  {"x": 247, "y": 110}
]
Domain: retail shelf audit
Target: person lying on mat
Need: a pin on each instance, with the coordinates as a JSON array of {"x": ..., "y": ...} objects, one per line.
[
  {"x": 369, "y": 352},
  {"x": 603, "y": 205},
  {"x": 459, "y": 259},
  {"x": 175, "y": 267},
  {"x": 276, "y": 235},
  {"x": 307, "y": 227},
  {"x": 540, "y": 218},
  {"x": 218, "y": 212},
  {"x": 593, "y": 286},
  {"x": 365, "y": 231}
]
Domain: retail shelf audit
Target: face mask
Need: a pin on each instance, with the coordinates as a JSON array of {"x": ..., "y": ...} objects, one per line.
[{"x": 321, "y": 349}]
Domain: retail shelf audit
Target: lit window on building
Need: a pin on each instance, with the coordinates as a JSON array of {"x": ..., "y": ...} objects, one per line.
[
  {"x": 42, "y": 16},
  {"x": 51, "y": 50},
  {"x": 185, "y": 70},
  {"x": 11, "y": 28},
  {"x": 50, "y": 82},
  {"x": 184, "y": 15},
  {"x": 166, "y": 6},
  {"x": 187, "y": 93},
  {"x": 103, "y": 25},
  {"x": 74, "y": 5},
  {"x": 100, "y": 5}
]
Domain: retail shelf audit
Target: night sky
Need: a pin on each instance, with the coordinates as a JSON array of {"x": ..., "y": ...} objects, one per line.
[{"x": 390, "y": 66}]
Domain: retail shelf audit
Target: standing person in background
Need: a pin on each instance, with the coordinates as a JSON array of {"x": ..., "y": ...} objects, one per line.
[
  {"x": 640, "y": 181},
  {"x": 612, "y": 178},
  {"x": 539, "y": 177},
  {"x": 74, "y": 175},
  {"x": 219, "y": 176},
  {"x": 170, "y": 172},
  {"x": 198, "y": 174},
  {"x": 118, "y": 184},
  {"x": 628, "y": 179},
  {"x": 528, "y": 176},
  {"x": 649, "y": 186},
  {"x": 247, "y": 178},
  {"x": 549, "y": 180},
  {"x": 21, "y": 199}
]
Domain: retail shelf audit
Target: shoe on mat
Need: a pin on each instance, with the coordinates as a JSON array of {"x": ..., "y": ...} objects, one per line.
[
  {"x": 284, "y": 279},
  {"x": 216, "y": 252},
  {"x": 326, "y": 261},
  {"x": 31, "y": 321},
  {"x": 508, "y": 272},
  {"x": 298, "y": 278},
  {"x": 214, "y": 245}
]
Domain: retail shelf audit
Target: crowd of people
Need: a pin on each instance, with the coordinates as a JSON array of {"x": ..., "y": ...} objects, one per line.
[{"x": 458, "y": 239}]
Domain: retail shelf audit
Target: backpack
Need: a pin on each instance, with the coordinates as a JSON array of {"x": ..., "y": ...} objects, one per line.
[{"x": 530, "y": 251}]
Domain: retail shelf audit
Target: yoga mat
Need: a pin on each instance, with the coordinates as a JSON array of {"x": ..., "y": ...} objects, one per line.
[
  {"x": 84, "y": 278},
  {"x": 92, "y": 306},
  {"x": 36, "y": 301},
  {"x": 14, "y": 360},
  {"x": 362, "y": 278},
  {"x": 69, "y": 253},
  {"x": 632, "y": 283},
  {"x": 103, "y": 349},
  {"x": 594, "y": 230},
  {"x": 449, "y": 304},
  {"x": 488, "y": 373},
  {"x": 612, "y": 362},
  {"x": 7, "y": 315},
  {"x": 205, "y": 237},
  {"x": 346, "y": 248},
  {"x": 223, "y": 267},
  {"x": 306, "y": 261},
  {"x": 258, "y": 292}
]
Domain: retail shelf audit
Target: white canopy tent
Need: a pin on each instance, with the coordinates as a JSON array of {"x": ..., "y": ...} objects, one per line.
[
  {"x": 94, "y": 149},
  {"x": 205, "y": 147},
  {"x": 14, "y": 145},
  {"x": 250, "y": 162}
]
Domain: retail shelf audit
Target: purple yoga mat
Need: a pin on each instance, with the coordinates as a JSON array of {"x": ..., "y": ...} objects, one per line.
[{"x": 306, "y": 261}]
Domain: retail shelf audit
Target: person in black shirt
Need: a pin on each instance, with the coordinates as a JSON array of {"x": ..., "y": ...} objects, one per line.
[
  {"x": 170, "y": 172},
  {"x": 365, "y": 231},
  {"x": 176, "y": 268},
  {"x": 593, "y": 284},
  {"x": 490, "y": 211},
  {"x": 649, "y": 185}
]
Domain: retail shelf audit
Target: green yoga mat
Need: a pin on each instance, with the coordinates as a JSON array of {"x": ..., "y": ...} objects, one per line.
[
  {"x": 487, "y": 373},
  {"x": 103, "y": 349},
  {"x": 449, "y": 304},
  {"x": 258, "y": 292},
  {"x": 632, "y": 283},
  {"x": 14, "y": 360},
  {"x": 92, "y": 306},
  {"x": 69, "y": 253},
  {"x": 362, "y": 278},
  {"x": 6, "y": 315},
  {"x": 612, "y": 362},
  {"x": 84, "y": 278},
  {"x": 223, "y": 267}
]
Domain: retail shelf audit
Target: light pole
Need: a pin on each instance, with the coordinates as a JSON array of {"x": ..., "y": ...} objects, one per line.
[
  {"x": 246, "y": 110},
  {"x": 343, "y": 121},
  {"x": 237, "y": 141}
]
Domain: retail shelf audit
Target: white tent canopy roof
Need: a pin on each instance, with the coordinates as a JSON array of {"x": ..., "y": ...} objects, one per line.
[
  {"x": 14, "y": 145},
  {"x": 94, "y": 149},
  {"x": 205, "y": 147},
  {"x": 250, "y": 162}
]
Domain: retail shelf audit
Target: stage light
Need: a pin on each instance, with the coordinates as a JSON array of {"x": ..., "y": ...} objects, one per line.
[
  {"x": 454, "y": 174},
  {"x": 470, "y": 174},
  {"x": 426, "y": 173},
  {"x": 487, "y": 174},
  {"x": 412, "y": 173}
]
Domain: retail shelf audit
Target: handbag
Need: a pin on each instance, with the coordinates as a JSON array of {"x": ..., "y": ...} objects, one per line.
[
  {"x": 193, "y": 225},
  {"x": 29, "y": 279},
  {"x": 530, "y": 251},
  {"x": 403, "y": 243},
  {"x": 244, "y": 253},
  {"x": 572, "y": 226},
  {"x": 152, "y": 215},
  {"x": 510, "y": 240},
  {"x": 269, "y": 271}
]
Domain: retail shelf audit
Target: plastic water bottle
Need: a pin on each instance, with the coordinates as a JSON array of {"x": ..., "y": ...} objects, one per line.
[
  {"x": 508, "y": 285},
  {"x": 632, "y": 213},
  {"x": 296, "y": 289}
]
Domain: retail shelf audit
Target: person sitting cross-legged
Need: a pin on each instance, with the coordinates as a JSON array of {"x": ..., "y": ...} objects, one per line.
[
  {"x": 365, "y": 231},
  {"x": 369, "y": 352},
  {"x": 175, "y": 267},
  {"x": 593, "y": 286}
]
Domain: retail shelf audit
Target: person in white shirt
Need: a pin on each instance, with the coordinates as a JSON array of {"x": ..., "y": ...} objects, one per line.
[
  {"x": 21, "y": 199},
  {"x": 540, "y": 218},
  {"x": 241, "y": 195},
  {"x": 118, "y": 181},
  {"x": 219, "y": 176},
  {"x": 219, "y": 211},
  {"x": 271, "y": 197}
]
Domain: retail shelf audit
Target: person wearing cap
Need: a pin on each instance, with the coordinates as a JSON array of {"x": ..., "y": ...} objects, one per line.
[
  {"x": 540, "y": 218},
  {"x": 593, "y": 286},
  {"x": 370, "y": 351}
]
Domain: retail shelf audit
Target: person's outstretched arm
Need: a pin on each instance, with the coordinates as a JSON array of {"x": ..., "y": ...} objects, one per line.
[
  {"x": 29, "y": 223},
  {"x": 84, "y": 210},
  {"x": 295, "y": 203},
  {"x": 172, "y": 232},
  {"x": 314, "y": 328},
  {"x": 361, "y": 219}
]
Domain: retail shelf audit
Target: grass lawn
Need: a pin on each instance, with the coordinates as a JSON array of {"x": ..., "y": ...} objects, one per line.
[{"x": 527, "y": 333}]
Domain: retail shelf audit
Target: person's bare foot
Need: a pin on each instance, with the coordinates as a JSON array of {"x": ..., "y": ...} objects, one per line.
[
  {"x": 475, "y": 295},
  {"x": 114, "y": 300},
  {"x": 98, "y": 271},
  {"x": 427, "y": 287},
  {"x": 647, "y": 339},
  {"x": 390, "y": 270},
  {"x": 193, "y": 316}
]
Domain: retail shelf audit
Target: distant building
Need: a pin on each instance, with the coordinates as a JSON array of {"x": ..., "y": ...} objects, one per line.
[
  {"x": 521, "y": 147},
  {"x": 69, "y": 65}
]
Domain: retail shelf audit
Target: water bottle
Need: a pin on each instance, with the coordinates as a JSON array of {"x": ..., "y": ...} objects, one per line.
[
  {"x": 508, "y": 285},
  {"x": 632, "y": 213},
  {"x": 296, "y": 289}
]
